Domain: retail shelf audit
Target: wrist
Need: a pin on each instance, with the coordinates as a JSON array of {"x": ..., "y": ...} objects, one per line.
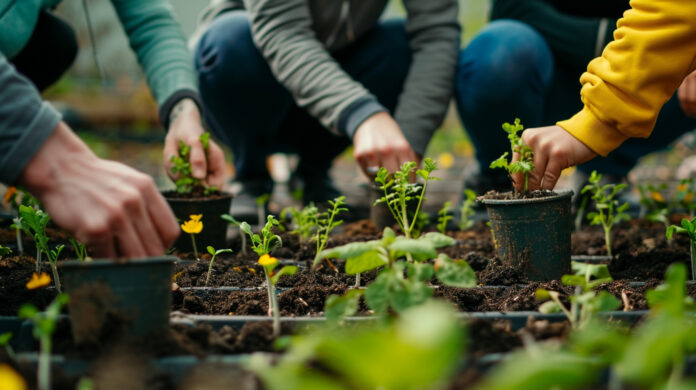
[{"x": 184, "y": 109}]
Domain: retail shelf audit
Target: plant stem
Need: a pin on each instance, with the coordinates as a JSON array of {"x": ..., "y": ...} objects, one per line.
[
  {"x": 38, "y": 260},
  {"x": 210, "y": 269},
  {"x": 244, "y": 244},
  {"x": 420, "y": 201},
  {"x": 276, "y": 312},
  {"x": 404, "y": 215},
  {"x": 20, "y": 245},
  {"x": 607, "y": 239},
  {"x": 693, "y": 259},
  {"x": 44, "y": 370},
  {"x": 526, "y": 183},
  {"x": 270, "y": 294},
  {"x": 56, "y": 278},
  {"x": 195, "y": 250},
  {"x": 357, "y": 280}
]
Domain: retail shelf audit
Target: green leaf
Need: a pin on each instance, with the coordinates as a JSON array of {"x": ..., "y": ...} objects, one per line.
[
  {"x": 377, "y": 293},
  {"x": 421, "y": 272},
  {"x": 454, "y": 273},
  {"x": 210, "y": 250},
  {"x": 337, "y": 308},
  {"x": 354, "y": 249},
  {"x": 365, "y": 262},
  {"x": 573, "y": 280},
  {"x": 28, "y": 311},
  {"x": 420, "y": 250},
  {"x": 605, "y": 301},
  {"x": 501, "y": 162},
  {"x": 439, "y": 240},
  {"x": 549, "y": 307},
  {"x": 287, "y": 270},
  {"x": 5, "y": 339}
]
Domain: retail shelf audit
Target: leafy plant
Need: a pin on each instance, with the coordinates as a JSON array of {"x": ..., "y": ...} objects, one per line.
[
  {"x": 524, "y": 164},
  {"x": 304, "y": 221},
  {"x": 467, "y": 210},
  {"x": 399, "y": 192},
  {"x": 326, "y": 222},
  {"x": 269, "y": 265},
  {"x": 185, "y": 182},
  {"x": 79, "y": 248},
  {"x": 34, "y": 222},
  {"x": 44, "y": 326},
  {"x": 263, "y": 244},
  {"x": 402, "y": 284},
  {"x": 586, "y": 301},
  {"x": 213, "y": 254},
  {"x": 4, "y": 251},
  {"x": 688, "y": 227},
  {"x": 230, "y": 219},
  {"x": 609, "y": 211},
  {"x": 443, "y": 217}
]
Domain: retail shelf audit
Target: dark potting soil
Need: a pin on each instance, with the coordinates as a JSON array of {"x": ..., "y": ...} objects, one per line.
[
  {"x": 15, "y": 272},
  {"x": 510, "y": 195},
  {"x": 196, "y": 193}
]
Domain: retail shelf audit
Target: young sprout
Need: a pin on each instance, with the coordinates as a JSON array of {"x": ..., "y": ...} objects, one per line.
[
  {"x": 34, "y": 224},
  {"x": 305, "y": 221},
  {"x": 688, "y": 227},
  {"x": 213, "y": 253},
  {"x": 443, "y": 217},
  {"x": 4, "y": 251},
  {"x": 263, "y": 244},
  {"x": 193, "y": 226},
  {"x": 261, "y": 208},
  {"x": 186, "y": 183},
  {"x": 269, "y": 265},
  {"x": 524, "y": 165},
  {"x": 467, "y": 210},
  {"x": 5, "y": 343},
  {"x": 44, "y": 326},
  {"x": 609, "y": 211},
  {"x": 230, "y": 219},
  {"x": 79, "y": 248},
  {"x": 399, "y": 192},
  {"x": 17, "y": 226},
  {"x": 326, "y": 222}
]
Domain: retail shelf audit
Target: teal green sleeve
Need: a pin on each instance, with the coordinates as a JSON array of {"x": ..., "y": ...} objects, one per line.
[
  {"x": 574, "y": 39},
  {"x": 160, "y": 45}
]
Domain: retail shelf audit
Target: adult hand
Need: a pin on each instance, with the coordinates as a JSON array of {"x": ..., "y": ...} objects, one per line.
[
  {"x": 379, "y": 142},
  {"x": 687, "y": 94},
  {"x": 554, "y": 150},
  {"x": 185, "y": 125},
  {"x": 112, "y": 208}
]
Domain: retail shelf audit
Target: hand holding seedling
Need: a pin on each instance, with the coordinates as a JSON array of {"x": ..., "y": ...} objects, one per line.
[
  {"x": 379, "y": 142},
  {"x": 185, "y": 126},
  {"x": 113, "y": 209},
  {"x": 554, "y": 150}
]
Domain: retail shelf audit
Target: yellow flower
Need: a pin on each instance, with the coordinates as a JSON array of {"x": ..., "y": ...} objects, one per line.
[
  {"x": 194, "y": 225},
  {"x": 266, "y": 260},
  {"x": 38, "y": 281},
  {"x": 10, "y": 379},
  {"x": 657, "y": 197},
  {"x": 10, "y": 193},
  {"x": 446, "y": 160}
]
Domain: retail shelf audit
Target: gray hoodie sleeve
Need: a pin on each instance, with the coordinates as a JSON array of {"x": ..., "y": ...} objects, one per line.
[
  {"x": 25, "y": 122},
  {"x": 282, "y": 30},
  {"x": 433, "y": 32}
]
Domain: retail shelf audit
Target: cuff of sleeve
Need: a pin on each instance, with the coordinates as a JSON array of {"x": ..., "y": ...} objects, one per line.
[
  {"x": 166, "y": 107},
  {"x": 33, "y": 138},
  {"x": 597, "y": 135},
  {"x": 356, "y": 113}
]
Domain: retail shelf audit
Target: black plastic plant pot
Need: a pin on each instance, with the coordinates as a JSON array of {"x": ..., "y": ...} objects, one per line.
[
  {"x": 214, "y": 228},
  {"x": 125, "y": 297},
  {"x": 533, "y": 235}
]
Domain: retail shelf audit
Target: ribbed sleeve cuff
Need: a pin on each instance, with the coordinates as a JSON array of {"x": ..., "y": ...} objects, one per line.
[
  {"x": 166, "y": 108},
  {"x": 32, "y": 139},
  {"x": 356, "y": 113},
  {"x": 597, "y": 135}
]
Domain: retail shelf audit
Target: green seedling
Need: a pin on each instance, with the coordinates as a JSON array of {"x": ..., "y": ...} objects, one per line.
[
  {"x": 34, "y": 223},
  {"x": 44, "y": 326},
  {"x": 5, "y": 343},
  {"x": 586, "y": 302},
  {"x": 17, "y": 226},
  {"x": 79, "y": 248},
  {"x": 264, "y": 243},
  {"x": 466, "y": 220},
  {"x": 524, "y": 164},
  {"x": 399, "y": 192},
  {"x": 688, "y": 227},
  {"x": 305, "y": 221},
  {"x": 326, "y": 222},
  {"x": 272, "y": 276},
  {"x": 685, "y": 195},
  {"x": 4, "y": 251},
  {"x": 609, "y": 211},
  {"x": 443, "y": 217},
  {"x": 230, "y": 219},
  {"x": 185, "y": 182},
  {"x": 402, "y": 284},
  {"x": 214, "y": 254}
]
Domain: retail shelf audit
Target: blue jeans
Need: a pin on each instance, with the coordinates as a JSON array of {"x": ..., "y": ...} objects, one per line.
[
  {"x": 508, "y": 71},
  {"x": 251, "y": 112}
]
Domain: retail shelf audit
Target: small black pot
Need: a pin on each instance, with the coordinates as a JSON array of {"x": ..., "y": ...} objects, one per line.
[
  {"x": 129, "y": 297},
  {"x": 533, "y": 235},
  {"x": 214, "y": 231}
]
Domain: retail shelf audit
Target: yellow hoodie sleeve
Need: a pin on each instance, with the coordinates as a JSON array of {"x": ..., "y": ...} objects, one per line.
[{"x": 623, "y": 90}]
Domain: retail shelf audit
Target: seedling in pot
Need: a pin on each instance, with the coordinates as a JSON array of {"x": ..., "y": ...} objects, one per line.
[
  {"x": 193, "y": 226},
  {"x": 688, "y": 227},
  {"x": 44, "y": 326},
  {"x": 524, "y": 164},
  {"x": 467, "y": 210},
  {"x": 34, "y": 222},
  {"x": 230, "y": 219},
  {"x": 185, "y": 182},
  {"x": 214, "y": 254},
  {"x": 609, "y": 211},
  {"x": 326, "y": 222},
  {"x": 586, "y": 302},
  {"x": 443, "y": 217},
  {"x": 399, "y": 192}
]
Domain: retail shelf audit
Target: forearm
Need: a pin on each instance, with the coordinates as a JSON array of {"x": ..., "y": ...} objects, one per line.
[
  {"x": 25, "y": 122},
  {"x": 625, "y": 88}
]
